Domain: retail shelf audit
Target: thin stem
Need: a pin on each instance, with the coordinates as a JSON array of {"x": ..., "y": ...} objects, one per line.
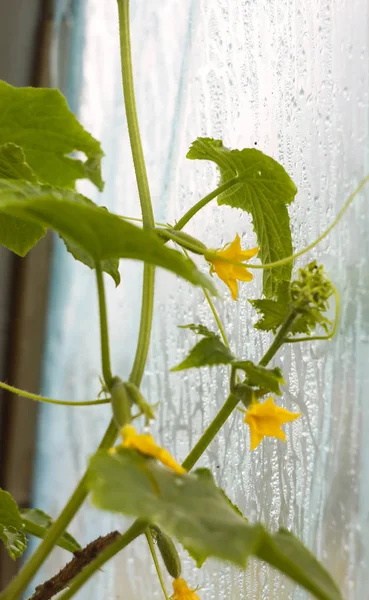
[
  {"x": 216, "y": 317},
  {"x": 210, "y": 433},
  {"x": 156, "y": 563},
  {"x": 131, "y": 112},
  {"x": 204, "y": 201},
  {"x": 132, "y": 533},
  {"x": 104, "y": 332},
  {"x": 213, "y": 310},
  {"x": 24, "y": 394},
  {"x": 20, "y": 582},
  {"x": 232, "y": 400},
  {"x": 279, "y": 338},
  {"x": 138, "y": 220},
  {"x": 147, "y": 310}
]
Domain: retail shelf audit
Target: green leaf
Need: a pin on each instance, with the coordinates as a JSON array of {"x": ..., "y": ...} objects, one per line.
[
  {"x": 14, "y": 541},
  {"x": 13, "y": 164},
  {"x": 199, "y": 329},
  {"x": 9, "y": 512},
  {"x": 110, "y": 265},
  {"x": 192, "y": 509},
  {"x": 287, "y": 554},
  {"x": 16, "y": 234},
  {"x": 267, "y": 379},
  {"x": 40, "y": 121},
  {"x": 37, "y": 522},
  {"x": 206, "y": 353},
  {"x": 11, "y": 525},
  {"x": 264, "y": 191},
  {"x": 274, "y": 313},
  {"x": 100, "y": 234}
]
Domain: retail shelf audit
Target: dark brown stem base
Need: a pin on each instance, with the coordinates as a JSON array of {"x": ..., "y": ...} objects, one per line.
[{"x": 81, "y": 559}]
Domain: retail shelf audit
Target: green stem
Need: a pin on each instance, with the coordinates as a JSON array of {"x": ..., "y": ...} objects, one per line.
[
  {"x": 132, "y": 533},
  {"x": 214, "y": 311},
  {"x": 24, "y": 394},
  {"x": 210, "y": 433},
  {"x": 279, "y": 339},
  {"x": 216, "y": 317},
  {"x": 232, "y": 400},
  {"x": 204, "y": 201},
  {"x": 104, "y": 332},
  {"x": 131, "y": 112},
  {"x": 156, "y": 563},
  {"x": 144, "y": 335},
  {"x": 188, "y": 463},
  {"x": 20, "y": 582}
]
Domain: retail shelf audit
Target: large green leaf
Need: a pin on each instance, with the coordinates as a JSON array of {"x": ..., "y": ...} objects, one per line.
[
  {"x": 264, "y": 191},
  {"x": 208, "y": 352},
  {"x": 191, "y": 508},
  {"x": 96, "y": 231},
  {"x": 40, "y": 121},
  {"x": 36, "y": 522},
  {"x": 11, "y": 525}
]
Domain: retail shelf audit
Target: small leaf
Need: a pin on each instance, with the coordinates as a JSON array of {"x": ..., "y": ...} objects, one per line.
[
  {"x": 40, "y": 121},
  {"x": 208, "y": 352},
  {"x": 99, "y": 233},
  {"x": 287, "y": 554},
  {"x": 14, "y": 541},
  {"x": 37, "y": 522},
  {"x": 264, "y": 191},
  {"x": 11, "y": 525},
  {"x": 191, "y": 508},
  {"x": 199, "y": 329},
  {"x": 267, "y": 379}
]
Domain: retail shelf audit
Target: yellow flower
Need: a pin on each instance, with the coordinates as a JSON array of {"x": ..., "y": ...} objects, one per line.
[
  {"x": 231, "y": 273},
  {"x": 182, "y": 591},
  {"x": 145, "y": 443},
  {"x": 266, "y": 420}
]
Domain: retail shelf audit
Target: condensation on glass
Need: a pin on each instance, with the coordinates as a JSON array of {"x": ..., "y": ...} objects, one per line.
[{"x": 289, "y": 78}]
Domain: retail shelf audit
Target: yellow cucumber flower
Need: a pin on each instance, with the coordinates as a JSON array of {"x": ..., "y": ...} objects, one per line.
[
  {"x": 231, "y": 273},
  {"x": 182, "y": 591},
  {"x": 266, "y": 419},
  {"x": 145, "y": 444}
]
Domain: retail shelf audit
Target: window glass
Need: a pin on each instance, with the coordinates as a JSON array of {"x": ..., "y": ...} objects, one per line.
[{"x": 290, "y": 78}]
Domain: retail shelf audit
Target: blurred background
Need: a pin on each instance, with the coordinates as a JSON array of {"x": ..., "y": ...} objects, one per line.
[{"x": 25, "y": 29}]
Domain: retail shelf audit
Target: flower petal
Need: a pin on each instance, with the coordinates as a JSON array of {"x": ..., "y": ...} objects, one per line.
[{"x": 242, "y": 274}]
